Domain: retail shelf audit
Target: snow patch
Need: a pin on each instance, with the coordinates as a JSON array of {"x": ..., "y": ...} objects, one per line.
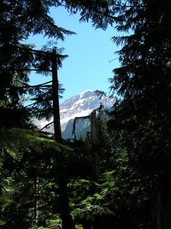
[{"x": 78, "y": 106}]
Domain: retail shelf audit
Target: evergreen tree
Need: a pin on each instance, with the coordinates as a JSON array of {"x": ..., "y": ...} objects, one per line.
[
  {"x": 29, "y": 191},
  {"x": 142, "y": 82},
  {"x": 21, "y": 19}
]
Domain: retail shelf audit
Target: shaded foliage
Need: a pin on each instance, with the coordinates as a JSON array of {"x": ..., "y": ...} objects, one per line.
[{"x": 135, "y": 154}]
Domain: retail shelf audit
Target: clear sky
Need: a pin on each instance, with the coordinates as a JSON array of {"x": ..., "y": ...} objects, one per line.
[{"x": 90, "y": 51}]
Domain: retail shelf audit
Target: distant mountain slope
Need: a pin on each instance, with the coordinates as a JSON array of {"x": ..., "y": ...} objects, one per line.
[
  {"x": 82, "y": 105},
  {"x": 77, "y": 106}
]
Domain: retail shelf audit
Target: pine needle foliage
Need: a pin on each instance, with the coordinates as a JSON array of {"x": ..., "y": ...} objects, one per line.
[{"x": 28, "y": 168}]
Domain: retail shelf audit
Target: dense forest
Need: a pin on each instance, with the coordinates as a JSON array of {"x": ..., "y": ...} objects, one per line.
[{"x": 121, "y": 177}]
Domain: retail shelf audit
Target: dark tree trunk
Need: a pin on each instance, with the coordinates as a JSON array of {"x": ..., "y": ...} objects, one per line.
[
  {"x": 55, "y": 91},
  {"x": 94, "y": 141},
  {"x": 67, "y": 221},
  {"x": 164, "y": 204}
]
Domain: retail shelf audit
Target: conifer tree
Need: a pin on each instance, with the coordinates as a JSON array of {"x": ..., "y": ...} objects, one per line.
[
  {"x": 21, "y": 19},
  {"x": 143, "y": 82}
]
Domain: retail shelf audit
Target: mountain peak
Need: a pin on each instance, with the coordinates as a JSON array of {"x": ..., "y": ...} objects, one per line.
[
  {"x": 82, "y": 105},
  {"x": 79, "y": 106},
  {"x": 83, "y": 95},
  {"x": 87, "y": 93}
]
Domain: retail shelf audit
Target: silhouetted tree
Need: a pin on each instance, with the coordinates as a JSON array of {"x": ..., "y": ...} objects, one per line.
[{"x": 142, "y": 82}]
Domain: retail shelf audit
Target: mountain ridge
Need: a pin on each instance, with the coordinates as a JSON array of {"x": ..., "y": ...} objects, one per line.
[{"x": 79, "y": 105}]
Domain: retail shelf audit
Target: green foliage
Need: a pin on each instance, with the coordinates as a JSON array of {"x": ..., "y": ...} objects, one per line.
[
  {"x": 2, "y": 222},
  {"x": 52, "y": 223},
  {"x": 57, "y": 224},
  {"x": 28, "y": 175},
  {"x": 15, "y": 139},
  {"x": 17, "y": 60},
  {"x": 100, "y": 13},
  {"x": 87, "y": 205},
  {"x": 135, "y": 155},
  {"x": 142, "y": 81}
]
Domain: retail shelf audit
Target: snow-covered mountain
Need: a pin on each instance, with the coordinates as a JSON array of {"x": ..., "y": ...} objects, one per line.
[
  {"x": 82, "y": 105},
  {"x": 78, "y": 106}
]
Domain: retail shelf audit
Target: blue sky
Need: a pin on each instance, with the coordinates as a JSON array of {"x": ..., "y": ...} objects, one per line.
[{"x": 90, "y": 52}]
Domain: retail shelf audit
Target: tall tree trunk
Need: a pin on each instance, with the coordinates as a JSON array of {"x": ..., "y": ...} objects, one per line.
[
  {"x": 94, "y": 141},
  {"x": 55, "y": 91},
  {"x": 164, "y": 204},
  {"x": 67, "y": 221},
  {"x": 36, "y": 201}
]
